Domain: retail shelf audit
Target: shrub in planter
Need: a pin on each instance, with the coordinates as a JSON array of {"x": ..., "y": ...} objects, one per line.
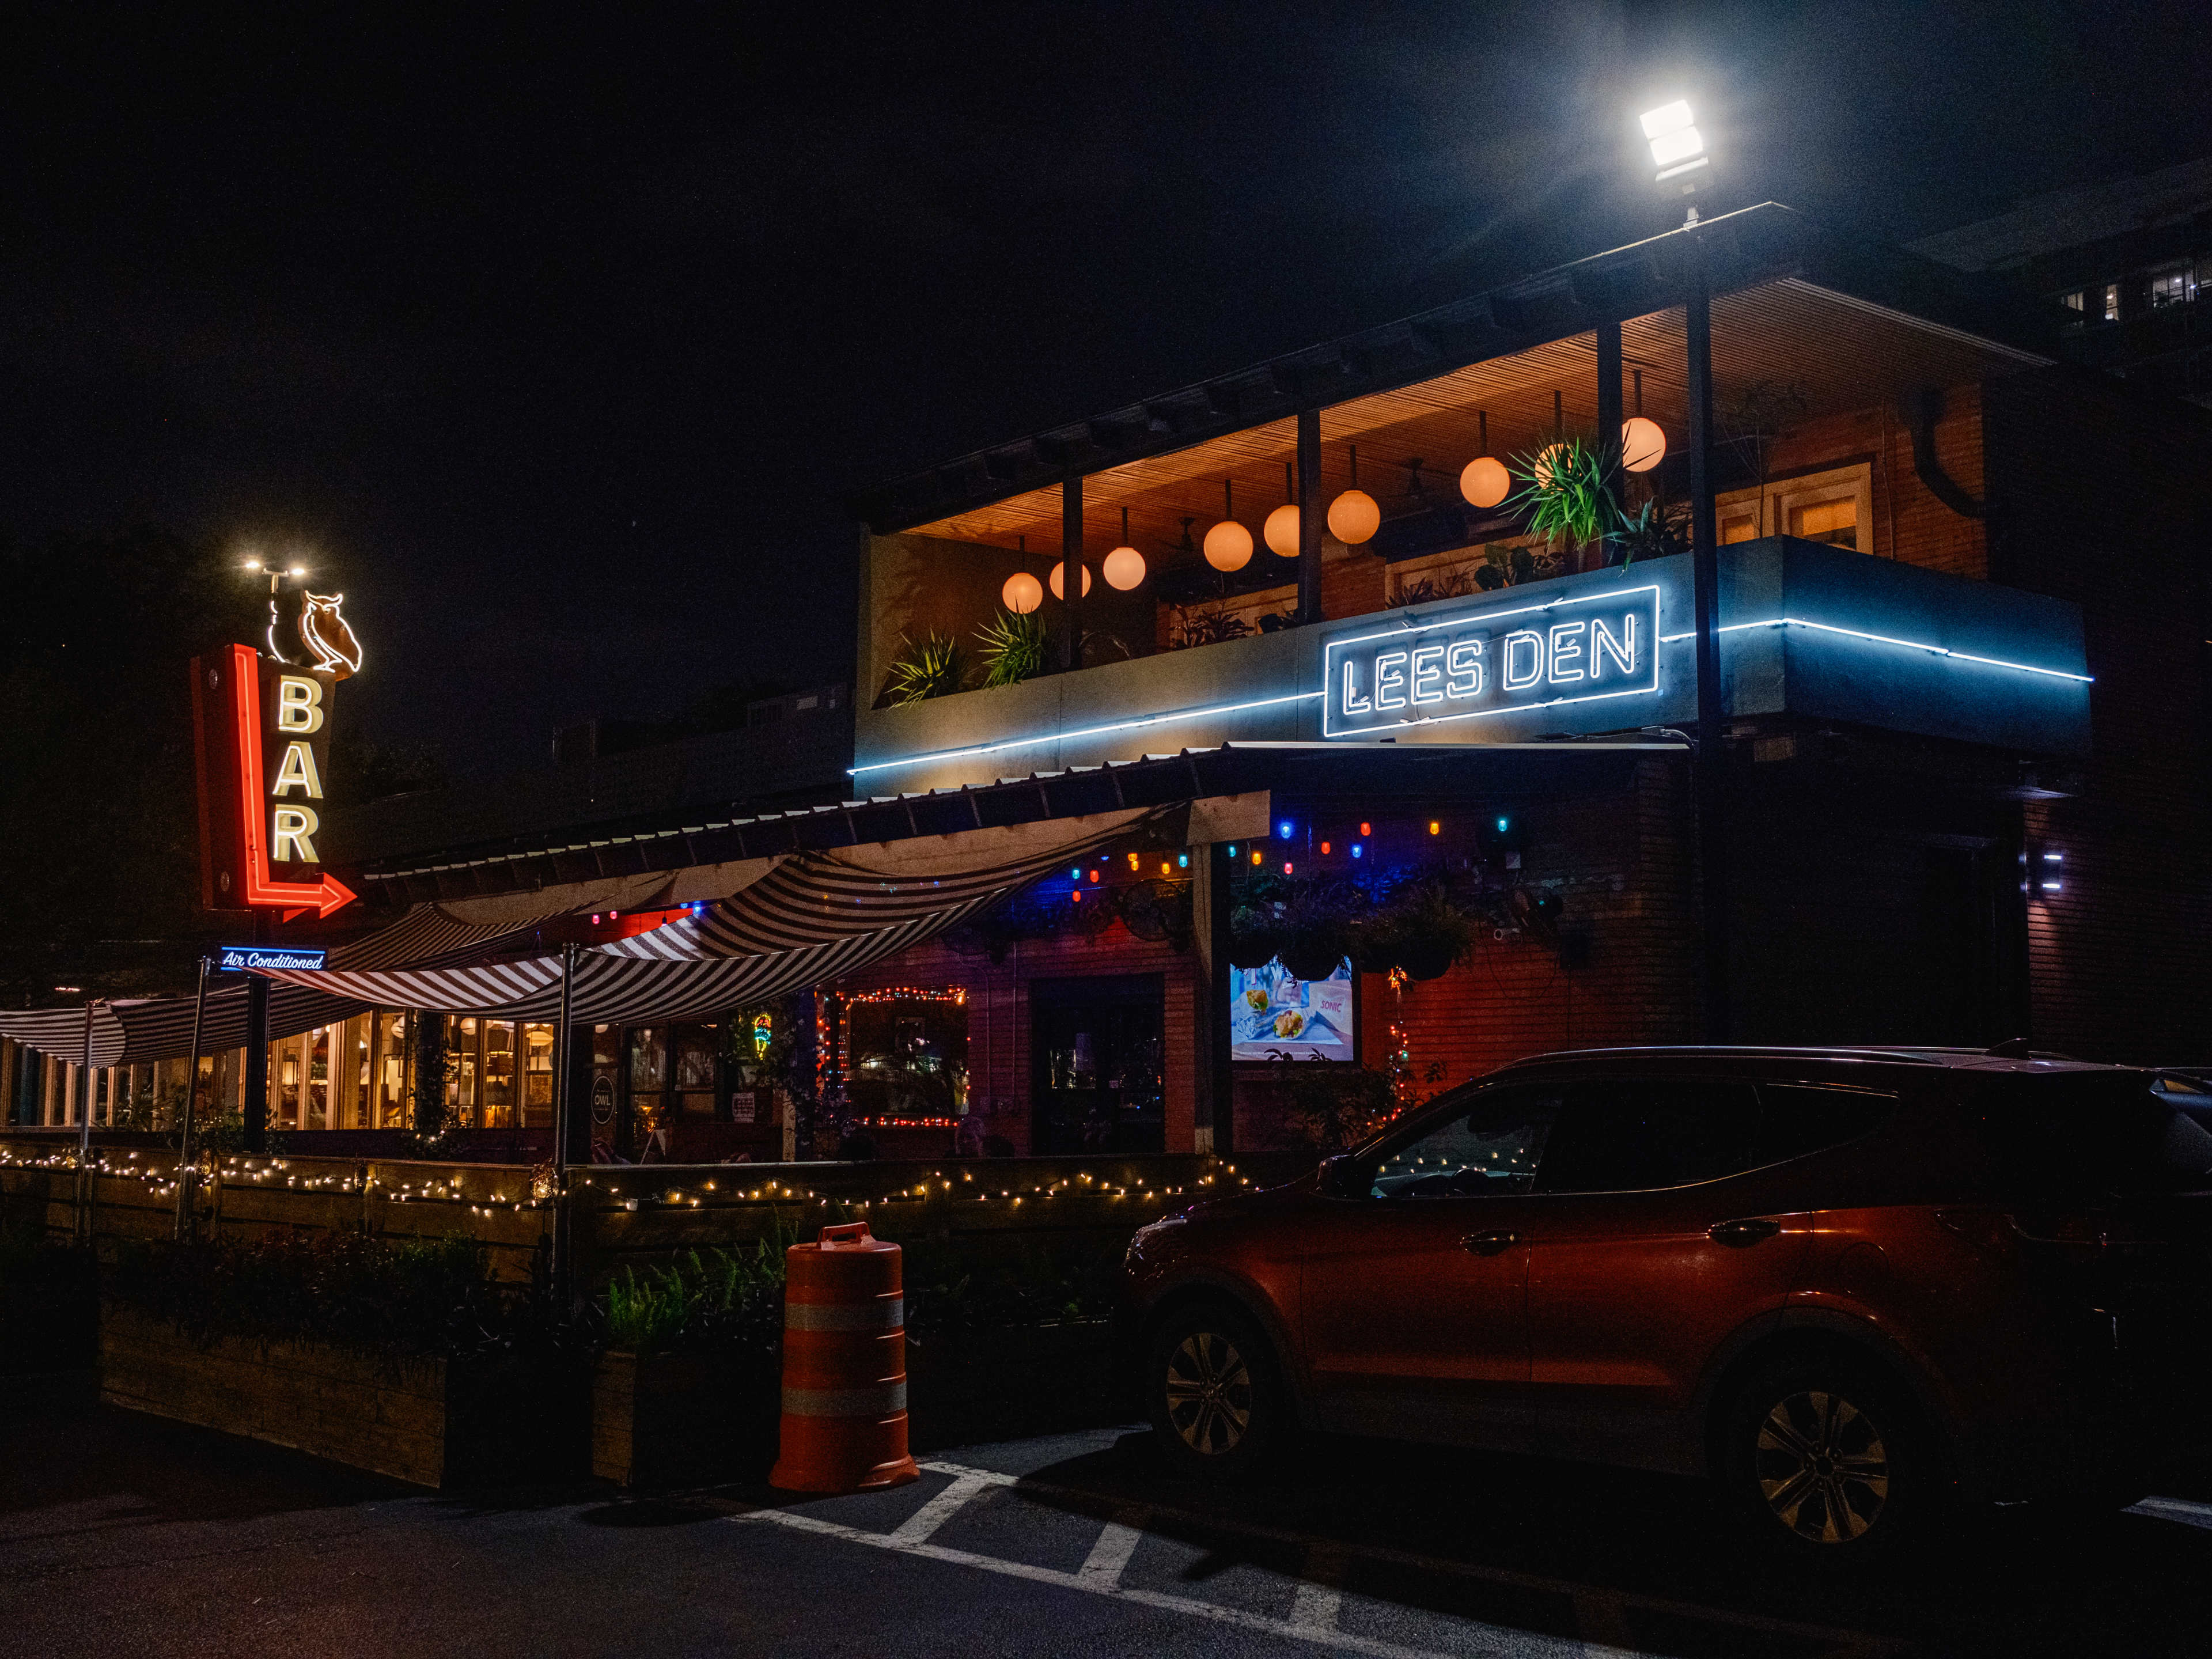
[
  {"x": 309, "y": 1339},
  {"x": 687, "y": 1392}
]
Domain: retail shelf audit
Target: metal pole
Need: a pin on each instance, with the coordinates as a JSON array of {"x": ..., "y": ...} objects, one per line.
[
  {"x": 1071, "y": 572},
  {"x": 564, "y": 1107},
  {"x": 184, "y": 1170},
  {"x": 1608, "y": 415},
  {"x": 1705, "y": 563},
  {"x": 255, "y": 1105},
  {"x": 1309, "y": 515},
  {"x": 84, "y": 1139}
]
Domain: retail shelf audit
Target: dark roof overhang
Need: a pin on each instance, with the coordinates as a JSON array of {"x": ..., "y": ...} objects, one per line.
[{"x": 1739, "y": 250}]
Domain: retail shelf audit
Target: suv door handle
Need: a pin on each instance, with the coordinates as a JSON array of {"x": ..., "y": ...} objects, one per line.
[
  {"x": 1489, "y": 1244},
  {"x": 1741, "y": 1233}
]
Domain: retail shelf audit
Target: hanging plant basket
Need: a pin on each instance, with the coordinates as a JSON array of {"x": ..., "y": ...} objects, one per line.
[
  {"x": 1312, "y": 953},
  {"x": 1426, "y": 958}
]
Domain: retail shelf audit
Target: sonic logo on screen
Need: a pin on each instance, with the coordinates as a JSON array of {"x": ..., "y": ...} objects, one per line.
[{"x": 1494, "y": 658}]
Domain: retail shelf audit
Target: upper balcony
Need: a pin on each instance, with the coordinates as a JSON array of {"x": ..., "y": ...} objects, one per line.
[{"x": 1848, "y": 472}]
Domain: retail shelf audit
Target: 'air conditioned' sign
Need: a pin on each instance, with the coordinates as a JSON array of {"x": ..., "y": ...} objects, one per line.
[{"x": 1501, "y": 655}]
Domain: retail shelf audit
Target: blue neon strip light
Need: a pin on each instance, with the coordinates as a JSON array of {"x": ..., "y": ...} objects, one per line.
[
  {"x": 1180, "y": 714},
  {"x": 1463, "y": 618},
  {"x": 1885, "y": 639}
]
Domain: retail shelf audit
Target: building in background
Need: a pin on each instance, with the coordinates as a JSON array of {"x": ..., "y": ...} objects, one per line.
[{"x": 2126, "y": 258}]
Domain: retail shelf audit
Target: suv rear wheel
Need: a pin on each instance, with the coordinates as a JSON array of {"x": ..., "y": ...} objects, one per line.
[
  {"x": 1216, "y": 1398},
  {"x": 1824, "y": 1458}
]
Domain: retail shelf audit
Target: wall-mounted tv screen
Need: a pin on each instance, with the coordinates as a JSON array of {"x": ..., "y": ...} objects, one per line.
[{"x": 1274, "y": 1015}]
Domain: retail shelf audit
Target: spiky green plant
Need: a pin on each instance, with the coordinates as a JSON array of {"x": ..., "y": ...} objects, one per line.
[
  {"x": 1567, "y": 491},
  {"x": 923, "y": 671},
  {"x": 1015, "y": 646}
]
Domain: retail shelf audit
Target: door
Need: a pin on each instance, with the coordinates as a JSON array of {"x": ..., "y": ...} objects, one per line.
[
  {"x": 1096, "y": 1081},
  {"x": 1413, "y": 1293},
  {"x": 1647, "y": 1247}
]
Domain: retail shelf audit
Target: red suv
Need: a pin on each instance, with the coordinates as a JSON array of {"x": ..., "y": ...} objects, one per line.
[{"x": 1847, "y": 1285}]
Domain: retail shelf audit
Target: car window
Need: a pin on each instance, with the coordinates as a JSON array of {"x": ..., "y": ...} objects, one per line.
[
  {"x": 2093, "y": 1133},
  {"x": 1492, "y": 1145},
  {"x": 1632, "y": 1134},
  {"x": 1795, "y": 1118}
]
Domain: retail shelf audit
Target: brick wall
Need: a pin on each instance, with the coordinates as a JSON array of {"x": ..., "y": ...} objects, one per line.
[
  {"x": 1909, "y": 522},
  {"x": 2100, "y": 495}
]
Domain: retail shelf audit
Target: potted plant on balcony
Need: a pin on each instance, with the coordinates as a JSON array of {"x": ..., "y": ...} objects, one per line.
[
  {"x": 931, "y": 669},
  {"x": 1015, "y": 646}
]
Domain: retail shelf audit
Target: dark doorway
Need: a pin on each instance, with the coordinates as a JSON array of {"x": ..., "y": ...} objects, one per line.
[{"x": 1096, "y": 1081}]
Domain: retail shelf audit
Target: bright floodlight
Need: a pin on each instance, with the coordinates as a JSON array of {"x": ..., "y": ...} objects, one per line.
[{"x": 1677, "y": 147}]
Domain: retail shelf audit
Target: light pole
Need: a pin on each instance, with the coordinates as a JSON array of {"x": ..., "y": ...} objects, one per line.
[{"x": 1678, "y": 155}]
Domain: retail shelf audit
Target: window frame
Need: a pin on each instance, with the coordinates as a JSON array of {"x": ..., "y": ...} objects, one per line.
[{"x": 1852, "y": 480}]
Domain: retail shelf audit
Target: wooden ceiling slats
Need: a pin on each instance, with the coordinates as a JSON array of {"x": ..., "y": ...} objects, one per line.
[{"x": 1840, "y": 353}]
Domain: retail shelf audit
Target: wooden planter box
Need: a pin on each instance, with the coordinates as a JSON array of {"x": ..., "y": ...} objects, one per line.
[
  {"x": 679, "y": 1420},
  {"x": 434, "y": 1422}
]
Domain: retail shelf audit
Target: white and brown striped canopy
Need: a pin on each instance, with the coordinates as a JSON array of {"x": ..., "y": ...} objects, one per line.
[{"x": 781, "y": 924}]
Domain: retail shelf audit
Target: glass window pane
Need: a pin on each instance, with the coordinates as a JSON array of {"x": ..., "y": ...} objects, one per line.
[
  {"x": 648, "y": 1059},
  {"x": 1632, "y": 1134},
  {"x": 1834, "y": 522},
  {"x": 499, "y": 1074},
  {"x": 1493, "y": 1145}
]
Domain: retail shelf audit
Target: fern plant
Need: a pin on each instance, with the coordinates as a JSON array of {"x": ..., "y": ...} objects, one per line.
[
  {"x": 931, "y": 669},
  {"x": 1016, "y": 646},
  {"x": 1567, "y": 491}
]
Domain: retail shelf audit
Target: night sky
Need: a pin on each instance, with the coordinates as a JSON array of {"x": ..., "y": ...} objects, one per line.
[{"x": 556, "y": 339}]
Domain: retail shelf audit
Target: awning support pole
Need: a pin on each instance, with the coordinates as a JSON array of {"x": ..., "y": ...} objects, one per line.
[
  {"x": 1071, "y": 572},
  {"x": 184, "y": 1170},
  {"x": 1608, "y": 419},
  {"x": 564, "y": 1109},
  {"x": 84, "y": 1140}
]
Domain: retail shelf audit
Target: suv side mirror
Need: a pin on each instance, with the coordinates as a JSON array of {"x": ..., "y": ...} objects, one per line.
[{"x": 1339, "y": 1176}]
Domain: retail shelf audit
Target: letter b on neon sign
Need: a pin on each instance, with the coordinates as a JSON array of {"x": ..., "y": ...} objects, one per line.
[{"x": 299, "y": 703}]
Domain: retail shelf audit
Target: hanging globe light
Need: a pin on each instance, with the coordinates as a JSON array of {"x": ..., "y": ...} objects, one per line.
[
  {"x": 1642, "y": 445},
  {"x": 1484, "y": 482},
  {"x": 1353, "y": 517},
  {"x": 1022, "y": 594},
  {"x": 1124, "y": 566},
  {"x": 1541, "y": 470},
  {"x": 1229, "y": 543},
  {"x": 1059, "y": 581}
]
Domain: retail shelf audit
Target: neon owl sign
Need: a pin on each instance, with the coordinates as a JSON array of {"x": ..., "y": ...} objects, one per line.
[{"x": 1491, "y": 658}]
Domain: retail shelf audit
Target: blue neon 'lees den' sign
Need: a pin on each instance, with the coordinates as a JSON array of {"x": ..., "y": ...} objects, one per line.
[{"x": 1495, "y": 656}]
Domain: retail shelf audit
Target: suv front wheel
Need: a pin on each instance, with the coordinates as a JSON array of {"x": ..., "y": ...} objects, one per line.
[
  {"x": 1216, "y": 1399},
  {"x": 1823, "y": 1458}
]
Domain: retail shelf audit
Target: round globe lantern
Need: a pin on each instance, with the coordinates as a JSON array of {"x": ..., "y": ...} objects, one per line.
[
  {"x": 1642, "y": 445},
  {"x": 1058, "y": 582},
  {"x": 1353, "y": 517},
  {"x": 1281, "y": 530},
  {"x": 1022, "y": 594},
  {"x": 1124, "y": 568},
  {"x": 1228, "y": 546},
  {"x": 1484, "y": 482}
]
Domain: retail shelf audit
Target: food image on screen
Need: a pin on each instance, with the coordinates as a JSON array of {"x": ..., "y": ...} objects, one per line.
[{"x": 1276, "y": 1015}]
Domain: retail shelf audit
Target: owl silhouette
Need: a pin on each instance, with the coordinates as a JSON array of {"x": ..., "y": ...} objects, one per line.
[{"x": 325, "y": 632}]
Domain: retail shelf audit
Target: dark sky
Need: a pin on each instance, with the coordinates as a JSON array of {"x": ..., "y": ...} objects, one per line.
[{"x": 556, "y": 338}]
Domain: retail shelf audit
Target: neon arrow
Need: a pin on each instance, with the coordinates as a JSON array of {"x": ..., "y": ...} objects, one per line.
[{"x": 326, "y": 895}]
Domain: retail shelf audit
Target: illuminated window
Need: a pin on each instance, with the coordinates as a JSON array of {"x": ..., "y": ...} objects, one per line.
[
  {"x": 1833, "y": 522},
  {"x": 2172, "y": 285},
  {"x": 1741, "y": 526},
  {"x": 2071, "y": 302},
  {"x": 2111, "y": 302}
]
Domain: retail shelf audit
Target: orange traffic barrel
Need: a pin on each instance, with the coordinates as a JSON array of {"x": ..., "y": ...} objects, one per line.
[{"x": 844, "y": 1366}]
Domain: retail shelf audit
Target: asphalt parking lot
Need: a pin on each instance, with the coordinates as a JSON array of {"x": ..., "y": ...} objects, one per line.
[{"x": 126, "y": 1535}]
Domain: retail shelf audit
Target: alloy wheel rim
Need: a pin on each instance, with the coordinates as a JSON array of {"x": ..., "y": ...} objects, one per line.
[
  {"x": 1822, "y": 1467},
  {"x": 1209, "y": 1394}
]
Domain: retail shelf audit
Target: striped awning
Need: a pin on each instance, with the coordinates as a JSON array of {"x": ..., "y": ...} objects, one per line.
[
  {"x": 136, "y": 1030},
  {"x": 809, "y": 918},
  {"x": 788, "y": 923}
]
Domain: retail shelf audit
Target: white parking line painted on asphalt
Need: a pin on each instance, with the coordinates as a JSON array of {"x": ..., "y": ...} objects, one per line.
[
  {"x": 1320, "y": 1591},
  {"x": 1856, "y": 1642},
  {"x": 918, "y": 1526},
  {"x": 1101, "y": 1568},
  {"x": 1496, "y": 1637}
]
